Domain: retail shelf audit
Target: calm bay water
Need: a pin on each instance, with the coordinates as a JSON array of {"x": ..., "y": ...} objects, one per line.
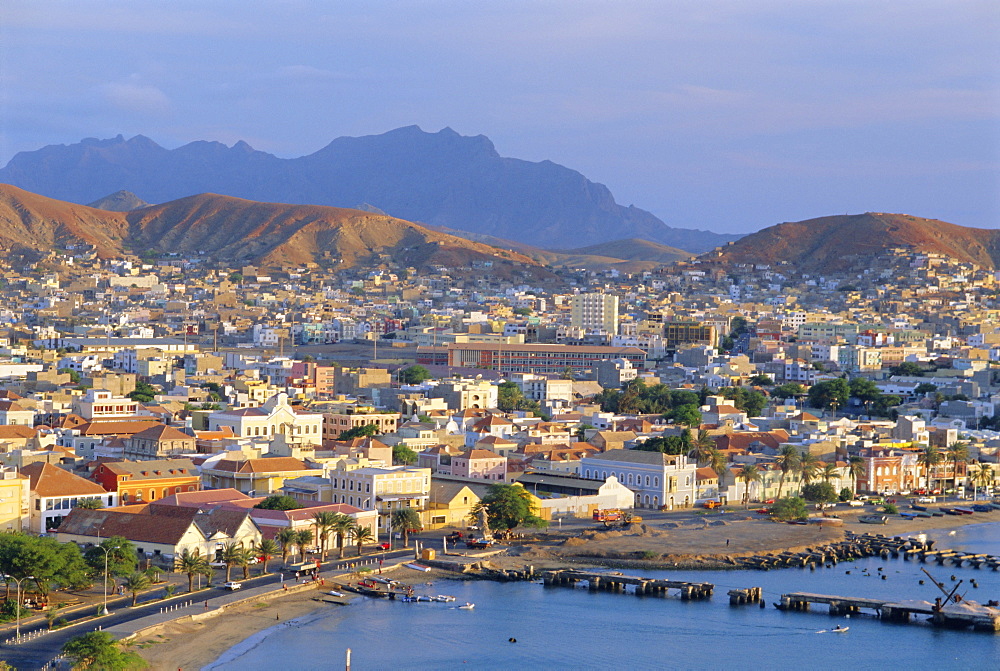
[{"x": 561, "y": 628}]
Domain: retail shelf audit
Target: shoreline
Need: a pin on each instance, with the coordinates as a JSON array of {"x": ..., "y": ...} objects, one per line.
[{"x": 180, "y": 645}]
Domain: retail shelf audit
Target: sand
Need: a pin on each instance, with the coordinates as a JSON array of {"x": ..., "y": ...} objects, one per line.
[{"x": 693, "y": 542}]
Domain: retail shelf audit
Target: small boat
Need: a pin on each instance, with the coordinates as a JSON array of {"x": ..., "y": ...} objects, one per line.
[
  {"x": 921, "y": 513},
  {"x": 917, "y": 507},
  {"x": 909, "y": 516},
  {"x": 418, "y": 567},
  {"x": 444, "y": 598},
  {"x": 839, "y": 630},
  {"x": 937, "y": 513},
  {"x": 467, "y": 606},
  {"x": 873, "y": 519},
  {"x": 950, "y": 511},
  {"x": 982, "y": 508},
  {"x": 827, "y": 521},
  {"x": 963, "y": 511},
  {"x": 334, "y": 592}
]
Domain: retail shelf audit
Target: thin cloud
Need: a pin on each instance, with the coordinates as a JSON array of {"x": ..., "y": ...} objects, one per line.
[{"x": 131, "y": 96}]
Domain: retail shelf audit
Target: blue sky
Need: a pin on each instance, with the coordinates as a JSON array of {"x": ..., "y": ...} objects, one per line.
[{"x": 728, "y": 115}]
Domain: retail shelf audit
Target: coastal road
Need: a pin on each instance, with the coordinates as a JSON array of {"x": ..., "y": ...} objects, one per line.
[{"x": 35, "y": 653}]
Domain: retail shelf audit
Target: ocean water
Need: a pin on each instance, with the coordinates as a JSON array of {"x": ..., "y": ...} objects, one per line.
[{"x": 562, "y": 628}]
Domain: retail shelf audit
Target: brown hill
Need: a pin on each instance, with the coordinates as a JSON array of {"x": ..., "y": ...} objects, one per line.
[
  {"x": 841, "y": 243},
  {"x": 235, "y": 230},
  {"x": 31, "y": 224}
]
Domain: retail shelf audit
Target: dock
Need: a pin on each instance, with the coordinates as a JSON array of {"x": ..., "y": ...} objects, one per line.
[
  {"x": 610, "y": 582},
  {"x": 953, "y": 616}
]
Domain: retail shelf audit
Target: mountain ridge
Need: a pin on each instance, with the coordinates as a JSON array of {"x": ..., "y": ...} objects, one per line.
[{"x": 442, "y": 178}]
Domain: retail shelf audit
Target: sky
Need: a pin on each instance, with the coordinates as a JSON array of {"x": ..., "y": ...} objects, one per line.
[{"x": 726, "y": 115}]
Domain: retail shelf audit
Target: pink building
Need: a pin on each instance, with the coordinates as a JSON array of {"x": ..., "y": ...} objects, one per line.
[{"x": 480, "y": 464}]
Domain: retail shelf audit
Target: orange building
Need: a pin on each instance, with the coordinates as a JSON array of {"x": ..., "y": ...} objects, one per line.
[{"x": 147, "y": 481}]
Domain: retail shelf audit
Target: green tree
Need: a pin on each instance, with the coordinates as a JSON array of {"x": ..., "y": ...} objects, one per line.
[
  {"x": 323, "y": 522},
  {"x": 287, "y": 538},
  {"x": 829, "y": 472},
  {"x": 232, "y": 555},
  {"x": 688, "y": 415},
  {"x": 908, "y": 369},
  {"x": 74, "y": 376},
  {"x": 361, "y": 535},
  {"x": 789, "y": 390},
  {"x": 414, "y": 375},
  {"x": 829, "y": 394},
  {"x": 702, "y": 447},
  {"x": 846, "y": 494},
  {"x": 303, "y": 538},
  {"x": 749, "y": 475},
  {"x": 192, "y": 563},
  {"x": 405, "y": 519},
  {"x": 788, "y": 461},
  {"x": 268, "y": 549},
  {"x": 365, "y": 431},
  {"x": 929, "y": 457},
  {"x": 98, "y": 650},
  {"x": 819, "y": 492},
  {"x": 342, "y": 525},
  {"x": 121, "y": 555},
  {"x": 510, "y": 398},
  {"x": 718, "y": 463},
  {"x": 855, "y": 469},
  {"x": 761, "y": 381},
  {"x": 90, "y": 504},
  {"x": 864, "y": 390},
  {"x": 143, "y": 393},
  {"x": 809, "y": 467},
  {"x": 279, "y": 502},
  {"x": 925, "y": 388},
  {"x": 791, "y": 508},
  {"x": 137, "y": 581},
  {"x": 507, "y": 507},
  {"x": 401, "y": 454},
  {"x": 957, "y": 453}
]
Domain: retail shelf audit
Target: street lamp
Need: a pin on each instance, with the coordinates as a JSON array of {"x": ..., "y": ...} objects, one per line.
[
  {"x": 17, "y": 610},
  {"x": 104, "y": 611}
]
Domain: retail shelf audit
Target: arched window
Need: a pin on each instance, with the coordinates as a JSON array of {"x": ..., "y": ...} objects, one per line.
[
  {"x": 656, "y": 481},
  {"x": 630, "y": 478},
  {"x": 647, "y": 481}
]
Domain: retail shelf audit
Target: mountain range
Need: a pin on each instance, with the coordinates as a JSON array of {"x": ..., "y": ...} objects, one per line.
[
  {"x": 235, "y": 231},
  {"x": 442, "y": 178}
]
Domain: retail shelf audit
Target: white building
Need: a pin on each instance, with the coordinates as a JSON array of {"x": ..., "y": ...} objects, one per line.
[
  {"x": 656, "y": 479},
  {"x": 594, "y": 312},
  {"x": 275, "y": 416}
]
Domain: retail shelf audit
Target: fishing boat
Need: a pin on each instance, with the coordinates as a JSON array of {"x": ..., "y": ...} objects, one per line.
[
  {"x": 444, "y": 598},
  {"x": 418, "y": 567},
  {"x": 983, "y": 508},
  {"x": 467, "y": 606},
  {"x": 827, "y": 521},
  {"x": 950, "y": 511},
  {"x": 873, "y": 519},
  {"x": 918, "y": 507},
  {"x": 963, "y": 511}
]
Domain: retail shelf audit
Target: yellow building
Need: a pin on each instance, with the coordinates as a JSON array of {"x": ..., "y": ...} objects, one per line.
[{"x": 14, "y": 501}]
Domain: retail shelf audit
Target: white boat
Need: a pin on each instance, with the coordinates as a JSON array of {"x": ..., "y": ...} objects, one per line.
[
  {"x": 418, "y": 567},
  {"x": 444, "y": 598},
  {"x": 467, "y": 606},
  {"x": 335, "y": 593}
]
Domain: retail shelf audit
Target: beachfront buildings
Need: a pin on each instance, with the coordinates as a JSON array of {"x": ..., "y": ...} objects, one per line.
[
  {"x": 55, "y": 492},
  {"x": 657, "y": 479},
  {"x": 382, "y": 489}
]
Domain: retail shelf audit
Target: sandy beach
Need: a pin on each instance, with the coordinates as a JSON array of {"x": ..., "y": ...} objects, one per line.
[{"x": 693, "y": 542}]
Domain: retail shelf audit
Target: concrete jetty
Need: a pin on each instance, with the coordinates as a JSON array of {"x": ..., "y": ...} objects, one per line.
[
  {"x": 960, "y": 615},
  {"x": 611, "y": 582}
]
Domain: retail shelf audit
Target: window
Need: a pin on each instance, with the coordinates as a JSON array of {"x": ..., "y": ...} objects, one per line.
[{"x": 647, "y": 481}]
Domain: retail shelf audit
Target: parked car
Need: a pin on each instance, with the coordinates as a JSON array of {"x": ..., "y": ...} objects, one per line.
[
  {"x": 232, "y": 586},
  {"x": 217, "y": 564},
  {"x": 855, "y": 503},
  {"x": 925, "y": 499}
]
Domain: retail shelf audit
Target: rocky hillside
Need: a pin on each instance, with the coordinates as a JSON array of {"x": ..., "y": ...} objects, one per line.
[
  {"x": 235, "y": 230},
  {"x": 438, "y": 178},
  {"x": 840, "y": 243}
]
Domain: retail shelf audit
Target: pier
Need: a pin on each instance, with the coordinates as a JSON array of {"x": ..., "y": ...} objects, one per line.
[
  {"x": 953, "y": 616},
  {"x": 610, "y": 582}
]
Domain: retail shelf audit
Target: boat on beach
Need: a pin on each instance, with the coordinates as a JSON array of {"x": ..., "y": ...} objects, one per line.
[
  {"x": 873, "y": 519},
  {"x": 467, "y": 606}
]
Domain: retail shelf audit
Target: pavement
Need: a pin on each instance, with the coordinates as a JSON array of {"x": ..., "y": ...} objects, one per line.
[{"x": 39, "y": 646}]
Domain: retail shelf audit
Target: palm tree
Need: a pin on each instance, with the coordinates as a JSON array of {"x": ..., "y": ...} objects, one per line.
[
  {"x": 702, "y": 447},
  {"x": 929, "y": 457},
  {"x": 829, "y": 472},
  {"x": 323, "y": 524},
  {"x": 404, "y": 519},
  {"x": 342, "y": 525},
  {"x": 981, "y": 474},
  {"x": 287, "y": 539},
  {"x": 788, "y": 461},
  {"x": 958, "y": 453},
  {"x": 232, "y": 555},
  {"x": 748, "y": 475},
  {"x": 246, "y": 559},
  {"x": 718, "y": 463},
  {"x": 303, "y": 537},
  {"x": 809, "y": 466},
  {"x": 267, "y": 548},
  {"x": 135, "y": 582},
  {"x": 855, "y": 468},
  {"x": 192, "y": 563},
  {"x": 361, "y": 535}
]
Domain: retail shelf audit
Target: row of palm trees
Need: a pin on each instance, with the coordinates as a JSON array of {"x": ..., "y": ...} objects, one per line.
[
  {"x": 286, "y": 541},
  {"x": 806, "y": 465}
]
